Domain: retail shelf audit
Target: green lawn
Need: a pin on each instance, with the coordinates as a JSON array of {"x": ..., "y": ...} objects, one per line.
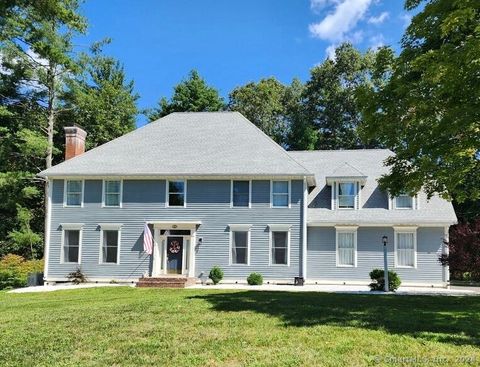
[{"x": 127, "y": 327}]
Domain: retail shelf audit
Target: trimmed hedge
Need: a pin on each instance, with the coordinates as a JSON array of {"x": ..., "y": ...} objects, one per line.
[
  {"x": 255, "y": 279},
  {"x": 378, "y": 284},
  {"x": 216, "y": 274}
]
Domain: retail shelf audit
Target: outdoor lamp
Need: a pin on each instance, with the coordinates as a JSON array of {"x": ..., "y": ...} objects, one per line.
[{"x": 385, "y": 262}]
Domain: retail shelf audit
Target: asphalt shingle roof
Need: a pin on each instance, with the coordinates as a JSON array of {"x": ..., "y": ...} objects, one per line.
[
  {"x": 186, "y": 144},
  {"x": 374, "y": 202}
]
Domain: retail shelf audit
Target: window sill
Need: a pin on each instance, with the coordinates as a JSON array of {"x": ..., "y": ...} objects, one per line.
[
  {"x": 109, "y": 264},
  {"x": 111, "y": 206},
  {"x": 405, "y": 267},
  {"x": 69, "y": 263},
  {"x": 72, "y": 206},
  {"x": 346, "y": 266}
]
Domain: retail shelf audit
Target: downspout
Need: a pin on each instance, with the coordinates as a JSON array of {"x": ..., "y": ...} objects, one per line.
[{"x": 304, "y": 229}]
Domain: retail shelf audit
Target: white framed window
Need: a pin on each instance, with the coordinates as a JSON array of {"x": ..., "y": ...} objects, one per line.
[
  {"x": 280, "y": 194},
  {"x": 347, "y": 195},
  {"x": 110, "y": 243},
  {"x": 279, "y": 245},
  {"x": 241, "y": 194},
  {"x": 239, "y": 244},
  {"x": 112, "y": 193},
  {"x": 73, "y": 193},
  {"x": 176, "y": 193},
  {"x": 405, "y": 247},
  {"x": 71, "y": 250},
  {"x": 404, "y": 201},
  {"x": 346, "y": 246}
]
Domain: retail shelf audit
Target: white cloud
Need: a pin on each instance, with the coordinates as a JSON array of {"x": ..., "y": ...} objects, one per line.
[
  {"x": 316, "y": 5},
  {"x": 377, "y": 41},
  {"x": 330, "y": 52},
  {"x": 336, "y": 25},
  {"x": 406, "y": 18},
  {"x": 379, "y": 19}
]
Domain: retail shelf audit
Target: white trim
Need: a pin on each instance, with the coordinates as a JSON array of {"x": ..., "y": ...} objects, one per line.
[
  {"x": 377, "y": 224},
  {"x": 332, "y": 196},
  {"x": 279, "y": 227},
  {"x": 65, "y": 227},
  {"x": 120, "y": 194},
  {"x": 48, "y": 218},
  {"x": 304, "y": 229},
  {"x": 65, "y": 193},
  {"x": 167, "y": 193},
  {"x": 110, "y": 226},
  {"x": 173, "y": 224},
  {"x": 239, "y": 228},
  {"x": 405, "y": 229},
  {"x": 104, "y": 228},
  {"x": 356, "y": 201},
  {"x": 351, "y": 230},
  {"x": 413, "y": 207},
  {"x": 446, "y": 251},
  {"x": 289, "y": 194},
  {"x": 72, "y": 226},
  {"x": 249, "y": 194},
  {"x": 270, "y": 244}
]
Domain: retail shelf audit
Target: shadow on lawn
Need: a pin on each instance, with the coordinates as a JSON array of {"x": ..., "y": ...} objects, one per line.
[{"x": 447, "y": 319}]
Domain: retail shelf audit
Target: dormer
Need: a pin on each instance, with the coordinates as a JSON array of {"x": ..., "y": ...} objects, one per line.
[
  {"x": 403, "y": 202},
  {"x": 346, "y": 184}
]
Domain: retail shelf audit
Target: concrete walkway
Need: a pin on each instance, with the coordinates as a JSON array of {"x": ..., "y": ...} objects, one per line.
[{"x": 349, "y": 289}]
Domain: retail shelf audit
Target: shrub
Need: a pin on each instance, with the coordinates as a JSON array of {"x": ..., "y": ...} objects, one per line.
[
  {"x": 77, "y": 276},
  {"x": 464, "y": 251},
  {"x": 378, "y": 284},
  {"x": 15, "y": 270},
  {"x": 10, "y": 279},
  {"x": 216, "y": 274},
  {"x": 255, "y": 279}
]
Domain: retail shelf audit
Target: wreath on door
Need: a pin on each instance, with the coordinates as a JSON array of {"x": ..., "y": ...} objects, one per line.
[{"x": 174, "y": 247}]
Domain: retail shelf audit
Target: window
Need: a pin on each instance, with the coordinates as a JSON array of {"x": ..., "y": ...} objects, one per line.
[
  {"x": 71, "y": 246},
  {"x": 176, "y": 193},
  {"x": 346, "y": 247},
  {"x": 346, "y": 195},
  {"x": 112, "y": 193},
  {"x": 405, "y": 249},
  {"x": 110, "y": 246},
  {"x": 280, "y": 246},
  {"x": 240, "y": 238},
  {"x": 240, "y": 193},
  {"x": 280, "y": 194},
  {"x": 73, "y": 193},
  {"x": 404, "y": 201}
]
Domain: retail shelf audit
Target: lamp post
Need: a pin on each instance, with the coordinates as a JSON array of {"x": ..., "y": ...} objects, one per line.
[{"x": 385, "y": 262}]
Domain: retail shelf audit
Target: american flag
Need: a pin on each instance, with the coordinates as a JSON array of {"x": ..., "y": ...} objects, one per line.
[{"x": 147, "y": 240}]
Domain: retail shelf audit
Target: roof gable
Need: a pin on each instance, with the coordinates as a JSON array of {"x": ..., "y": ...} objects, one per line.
[{"x": 183, "y": 144}]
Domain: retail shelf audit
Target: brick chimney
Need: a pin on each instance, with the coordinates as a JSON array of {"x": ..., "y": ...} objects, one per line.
[{"x": 74, "y": 141}]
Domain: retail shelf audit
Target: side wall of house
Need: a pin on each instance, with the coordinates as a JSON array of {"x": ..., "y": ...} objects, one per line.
[
  {"x": 208, "y": 201},
  {"x": 321, "y": 253}
]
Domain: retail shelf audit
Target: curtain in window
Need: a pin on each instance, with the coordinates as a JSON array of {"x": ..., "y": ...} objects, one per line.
[
  {"x": 346, "y": 195},
  {"x": 239, "y": 247},
  {"x": 346, "y": 248},
  {"x": 405, "y": 249},
  {"x": 280, "y": 248},
  {"x": 110, "y": 246},
  {"x": 71, "y": 246}
]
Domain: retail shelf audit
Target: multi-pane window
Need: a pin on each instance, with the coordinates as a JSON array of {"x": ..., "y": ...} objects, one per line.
[
  {"x": 346, "y": 248},
  {"x": 112, "y": 192},
  {"x": 405, "y": 249},
  {"x": 71, "y": 246},
  {"x": 404, "y": 201},
  {"x": 74, "y": 194},
  {"x": 280, "y": 194},
  {"x": 240, "y": 247},
  {"x": 110, "y": 245},
  {"x": 346, "y": 195},
  {"x": 279, "y": 247},
  {"x": 240, "y": 193},
  {"x": 176, "y": 193}
]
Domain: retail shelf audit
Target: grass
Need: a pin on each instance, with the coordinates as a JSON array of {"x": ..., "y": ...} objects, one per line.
[{"x": 124, "y": 326}]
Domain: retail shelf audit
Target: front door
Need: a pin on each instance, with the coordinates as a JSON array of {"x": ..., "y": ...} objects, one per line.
[{"x": 174, "y": 255}]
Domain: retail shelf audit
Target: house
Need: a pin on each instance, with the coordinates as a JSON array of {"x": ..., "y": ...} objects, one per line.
[{"x": 215, "y": 190}]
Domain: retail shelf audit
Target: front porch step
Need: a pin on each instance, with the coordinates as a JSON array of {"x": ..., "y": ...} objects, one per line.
[{"x": 166, "y": 282}]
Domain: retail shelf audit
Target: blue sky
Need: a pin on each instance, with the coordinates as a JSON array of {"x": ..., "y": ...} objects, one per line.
[{"x": 233, "y": 42}]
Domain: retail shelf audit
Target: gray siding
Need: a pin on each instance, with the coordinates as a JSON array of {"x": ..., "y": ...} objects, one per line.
[
  {"x": 321, "y": 256},
  {"x": 208, "y": 201}
]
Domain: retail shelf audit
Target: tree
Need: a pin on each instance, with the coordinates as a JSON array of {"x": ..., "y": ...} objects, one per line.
[
  {"x": 190, "y": 95},
  {"x": 428, "y": 110},
  {"x": 464, "y": 251},
  {"x": 263, "y": 103},
  {"x": 330, "y": 101},
  {"x": 102, "y": 101}
]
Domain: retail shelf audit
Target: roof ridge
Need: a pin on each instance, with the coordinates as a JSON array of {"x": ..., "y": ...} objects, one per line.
[
  {"x": 277, "y": 146},
  {"x": 337, "y": 150}
]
